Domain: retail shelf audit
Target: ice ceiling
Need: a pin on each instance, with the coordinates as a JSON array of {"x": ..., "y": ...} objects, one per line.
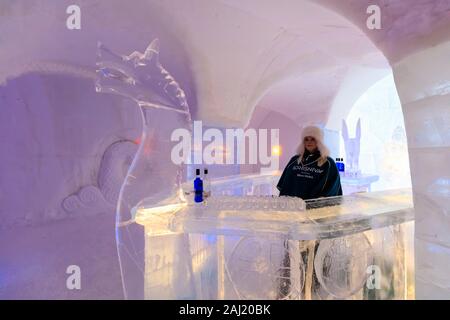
[{"x": 302, "y": 50}]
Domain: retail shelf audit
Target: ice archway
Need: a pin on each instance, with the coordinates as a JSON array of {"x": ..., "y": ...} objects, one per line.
[
  {"x": 384, "y": 149},
  {"x": 227, "y": 54}
]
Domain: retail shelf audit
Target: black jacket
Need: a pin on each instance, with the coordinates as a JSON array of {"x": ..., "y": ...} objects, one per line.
[{"x": 305, "y": 179}]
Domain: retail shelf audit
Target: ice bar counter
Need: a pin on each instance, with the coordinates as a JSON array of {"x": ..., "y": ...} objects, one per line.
[{"x": 244, "y": 246}]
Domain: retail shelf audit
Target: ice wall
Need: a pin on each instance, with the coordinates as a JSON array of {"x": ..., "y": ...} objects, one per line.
[
  {"x": 65, "y": 149},
  {"x": 423, "y": 83}
]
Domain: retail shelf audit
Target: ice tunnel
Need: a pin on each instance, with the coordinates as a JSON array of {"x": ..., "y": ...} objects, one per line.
[{"x": 202, "y": 69}]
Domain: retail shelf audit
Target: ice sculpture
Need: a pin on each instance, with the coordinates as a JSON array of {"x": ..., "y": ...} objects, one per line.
[
  {"x": 264, "y": 247},
  {"x": 352, "y": 148},
  {"x": 152, "y": 175}
]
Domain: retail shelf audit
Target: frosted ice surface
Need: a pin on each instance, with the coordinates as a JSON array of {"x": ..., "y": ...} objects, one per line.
[
  {"x": 301, "y": 220},
  {"x": 245, "y": 247},
  {"x": 152, "y": 175}
]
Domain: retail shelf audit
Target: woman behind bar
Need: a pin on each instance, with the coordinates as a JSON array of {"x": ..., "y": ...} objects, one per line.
[{"x": 311, "y": 173}]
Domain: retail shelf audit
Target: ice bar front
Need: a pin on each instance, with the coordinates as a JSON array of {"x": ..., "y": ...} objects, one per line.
[{"x": 262, "y": 247}]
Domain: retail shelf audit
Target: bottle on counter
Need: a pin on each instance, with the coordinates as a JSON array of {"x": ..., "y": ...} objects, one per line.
[
  {"x": 206, "y": 184},
  {"x": 198, "y": 187},
  {"x": 340, "y": 165}
]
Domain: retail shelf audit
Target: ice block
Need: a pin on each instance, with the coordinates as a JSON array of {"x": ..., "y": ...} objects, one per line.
[{"x": 264, "y": 247}]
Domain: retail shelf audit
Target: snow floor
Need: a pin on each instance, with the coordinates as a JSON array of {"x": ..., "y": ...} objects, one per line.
[{"x": 33, "y": 260}]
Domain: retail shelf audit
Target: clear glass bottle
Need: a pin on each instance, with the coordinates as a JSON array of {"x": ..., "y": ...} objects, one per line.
[{"x": 206, "y": 184}]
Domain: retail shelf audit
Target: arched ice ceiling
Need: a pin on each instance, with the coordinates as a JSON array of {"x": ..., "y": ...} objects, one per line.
[
  {"x": 407, "y": 26},
  {"x": 241, "y": 49},
  {"x": 227, "y": 54}
]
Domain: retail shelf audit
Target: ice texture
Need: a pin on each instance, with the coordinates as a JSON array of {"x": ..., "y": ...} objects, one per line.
[
  {"x": 352, "y": 148},
  {"x": 423, "y": 83},
  {"x": 152, "y": 174},
  {"x": 263, "y": 247}
]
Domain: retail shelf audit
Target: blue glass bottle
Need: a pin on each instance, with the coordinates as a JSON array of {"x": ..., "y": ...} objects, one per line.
[
  {"x": 198, "y": 187},
  {"x": 340, "y": 164}
]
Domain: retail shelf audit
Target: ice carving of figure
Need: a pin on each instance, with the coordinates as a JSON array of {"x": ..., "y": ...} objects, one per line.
[
  {"x": 255, "y": 273},
  {"x": 341, "y": 264},
  {"x": 152, "y": 176},
  {"x": 352, "y": 147}
]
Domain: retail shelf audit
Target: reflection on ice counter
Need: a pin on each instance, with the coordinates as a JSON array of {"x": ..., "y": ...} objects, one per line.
[{"x": 243, "y": 243}]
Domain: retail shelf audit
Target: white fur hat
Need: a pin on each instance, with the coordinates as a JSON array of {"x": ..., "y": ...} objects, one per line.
[
  {"x": 316, "y": 133},
  {"x": 313, "y": 131}
]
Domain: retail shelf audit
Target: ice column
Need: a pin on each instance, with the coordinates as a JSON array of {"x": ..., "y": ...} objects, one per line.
[{"x": 423, "y": 83}]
